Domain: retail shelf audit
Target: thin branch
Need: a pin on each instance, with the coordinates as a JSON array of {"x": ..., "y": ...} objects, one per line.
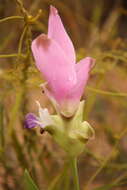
[
  {"x": 107, "y": 92},
  {"x": 12, "y": 55},
  {"x": 21, "y": 40},
  {"x": 22, "y": 8},
  {"x": 10, "y": 18}
]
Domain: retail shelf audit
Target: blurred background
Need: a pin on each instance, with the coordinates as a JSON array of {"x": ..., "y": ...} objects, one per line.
[{"x": 98, "y": 28}]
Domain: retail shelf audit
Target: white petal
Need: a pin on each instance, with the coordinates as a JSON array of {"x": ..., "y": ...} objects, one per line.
[{"x": 44, "y": 116}]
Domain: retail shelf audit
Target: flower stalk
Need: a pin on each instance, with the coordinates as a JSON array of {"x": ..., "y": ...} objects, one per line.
[{"x": 75, "y": 172}]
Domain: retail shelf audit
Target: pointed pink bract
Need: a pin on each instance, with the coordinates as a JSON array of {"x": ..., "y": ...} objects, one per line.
[
  {"x": 55, "y": 58},
  {"x": 52, "y": 62},
  {"x": 83, "y": 68},
  {"x": 57, "y": 31}
]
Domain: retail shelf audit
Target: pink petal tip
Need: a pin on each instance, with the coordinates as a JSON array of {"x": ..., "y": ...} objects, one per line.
[
  {"x": 91, "y": 61},
  {"x": 53, "y": 10}
]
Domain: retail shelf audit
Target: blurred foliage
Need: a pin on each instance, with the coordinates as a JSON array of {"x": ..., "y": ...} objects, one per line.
[{"x": 98, "y": 28}]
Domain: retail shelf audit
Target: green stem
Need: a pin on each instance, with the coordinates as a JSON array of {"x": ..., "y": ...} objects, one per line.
[
  {"x": 10, "y": 18},
  {"x": 12, "y": 55},
  {"x": 107, "y": 92},
  {"x": 57, "y": 180},
  {"x": 75, "y": 173}
]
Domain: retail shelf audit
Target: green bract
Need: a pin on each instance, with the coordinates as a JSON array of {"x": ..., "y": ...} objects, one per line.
[{"x": 71, "y": 133}]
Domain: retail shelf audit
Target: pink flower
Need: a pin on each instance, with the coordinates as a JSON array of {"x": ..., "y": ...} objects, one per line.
[{"x": 55, "y": 58}]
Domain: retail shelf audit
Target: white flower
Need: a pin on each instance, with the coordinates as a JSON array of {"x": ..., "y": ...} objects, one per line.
[{"x": 44, "y": 118}]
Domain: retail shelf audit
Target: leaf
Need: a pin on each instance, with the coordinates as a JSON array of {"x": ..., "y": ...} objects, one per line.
[
  {"x": 29, "y": 183},
  {"x": 1, "y": 126},
  {"x": 106, "y": 187}
]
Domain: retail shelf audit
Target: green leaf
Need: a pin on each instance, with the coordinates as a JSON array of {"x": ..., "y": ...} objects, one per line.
[
  {"x": 106, "y": 187},
  {"x": 1, "y": 126},
  {"x": 29, "y": 183}
]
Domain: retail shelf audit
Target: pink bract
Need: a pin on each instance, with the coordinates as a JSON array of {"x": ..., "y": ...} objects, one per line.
[{"x": 55, "y": 58}]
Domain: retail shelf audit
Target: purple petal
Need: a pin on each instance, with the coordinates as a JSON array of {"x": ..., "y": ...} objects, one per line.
[{"x": 30, "y": 121}]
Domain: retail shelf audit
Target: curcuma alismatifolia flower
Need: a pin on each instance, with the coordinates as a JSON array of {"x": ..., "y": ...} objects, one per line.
[{"x": 54, "y": 56}]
